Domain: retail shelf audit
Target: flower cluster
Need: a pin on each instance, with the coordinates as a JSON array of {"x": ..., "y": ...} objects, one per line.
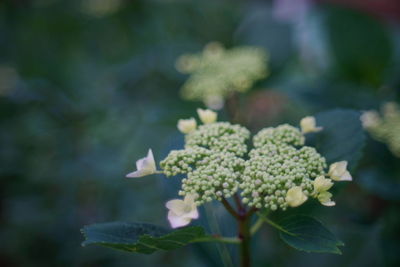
[
  {"x": 274, "y": 168},
  {"x": 385, "y": 127},
  {"x": 211, "y": 160},
  {"x": 216, "y": 72},
  {"x": 277, "y": 173}
]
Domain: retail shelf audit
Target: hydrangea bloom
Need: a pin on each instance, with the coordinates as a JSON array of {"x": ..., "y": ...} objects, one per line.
[
  {"x": 386, "y": 127},
  {"x": 277, "y": 171},
  {"x": 216, "y": 72}
]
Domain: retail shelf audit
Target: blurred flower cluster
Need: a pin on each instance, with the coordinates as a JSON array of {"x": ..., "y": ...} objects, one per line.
[
  {"x": 216, "y": 72},
  {"x": 385, "y": 127}
]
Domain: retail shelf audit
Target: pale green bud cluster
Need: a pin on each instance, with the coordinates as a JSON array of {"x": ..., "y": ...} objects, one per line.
[
  {"x": 184, "y": 161},
  {"x": 283, "y": 134},
  {"x": 274, "y": 168},
  {"x": 385, "y": 127},
  {"x": 216, "y": 72},
  {"x": 210, "y": 160},
  {"x": 219, "y": 137},
  {"x": 217, "y": 177}
]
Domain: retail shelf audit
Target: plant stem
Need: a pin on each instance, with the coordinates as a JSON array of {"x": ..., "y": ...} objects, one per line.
[
  {"x": 238, "y": 202},
  {"x": 245, "y": 237},
  {"x": 229, "y": 208},
  {"x": 243, "y": 217},
  {"x": 256, "y": 226}
]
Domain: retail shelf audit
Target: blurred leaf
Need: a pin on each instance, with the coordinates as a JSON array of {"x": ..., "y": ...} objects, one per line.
[
  {"x": 307, "y": 234},
  {"x": 260, "y": 28},
  {"x": 379, "y": 183},
  {"x": 140, "y": 237},
  {"x": 360, "y": 45},
  {"x": 342, "y": 137}
]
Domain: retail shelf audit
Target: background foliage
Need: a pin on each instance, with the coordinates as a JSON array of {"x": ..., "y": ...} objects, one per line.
[{"x": 86, "y": 86}]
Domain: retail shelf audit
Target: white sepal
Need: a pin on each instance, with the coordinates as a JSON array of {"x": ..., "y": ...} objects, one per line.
[
  {"x": 207, "y": 115},
  {"x": 187, "y": 126},
  {"x": 181, "y": 212},
  {"x": 144, "y": 166},
  {"x": 338, "y": 171},
  {"x": 295, "y": 196},
  {"x": 308, "y": 125}
]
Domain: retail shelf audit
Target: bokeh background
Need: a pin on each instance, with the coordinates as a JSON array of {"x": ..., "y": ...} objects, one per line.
[{"x": 87, "y": 86}]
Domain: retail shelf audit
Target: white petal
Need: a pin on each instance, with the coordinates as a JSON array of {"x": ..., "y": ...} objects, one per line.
[
  {"x": 193, "y": 214},
  {"x": 346, "y": 177},
  {"x": 177, "y": 206},
  {"x": 295, "y": 196},
  {"x": 338, "y": 171},
  {"x": 322, "y": 184},
  {"x": 136, "y": 174},
  {"x": 145, "y": 166},
  {"x": 206, "y": 115},
  {"x": 177, "y": 221},
  {"x": 141, "y": 163},
  {"x": 308, "y": 125},
  {"x": 150, "y": 160},
  {"x": 187, "y": 126},
  {"x": 325, "y": 199},
  {"x": 189, "y": 199},
  {"x": 338, "y": 167},
  {"x": 329, "y": 203}
]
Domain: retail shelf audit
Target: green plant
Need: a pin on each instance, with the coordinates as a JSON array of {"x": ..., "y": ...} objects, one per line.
[{"x": 277, "y": 173}]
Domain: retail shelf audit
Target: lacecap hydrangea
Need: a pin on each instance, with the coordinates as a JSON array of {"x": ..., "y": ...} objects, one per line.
[
  {"x": 275, "y": 171},
  {"x": 216, "y": 72}
]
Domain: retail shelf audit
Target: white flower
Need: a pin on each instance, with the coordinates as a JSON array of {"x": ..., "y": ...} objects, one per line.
[
  {"x": 145, "y": 166},
  {"x": 207, "y": 115},
  {"x": 338, "y": 171},
  {"x": 322, "y": 184},
  {"x": 308, "y": 125},
  {"x": 325, "y": 199},
  {"x": 187, "y": 126},
  {"x": 370, "y": 119},
  {"x": 295, "y": 196},
  {"x": 181, "y": 212}
]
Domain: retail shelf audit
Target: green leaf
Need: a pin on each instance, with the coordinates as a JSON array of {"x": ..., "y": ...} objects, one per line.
[
  {"x": 140, "y": 237},
  {"x": 342, "y": 137},
  {"x": 380, "y": 182},
  {"x": 307, "y": 234}
]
